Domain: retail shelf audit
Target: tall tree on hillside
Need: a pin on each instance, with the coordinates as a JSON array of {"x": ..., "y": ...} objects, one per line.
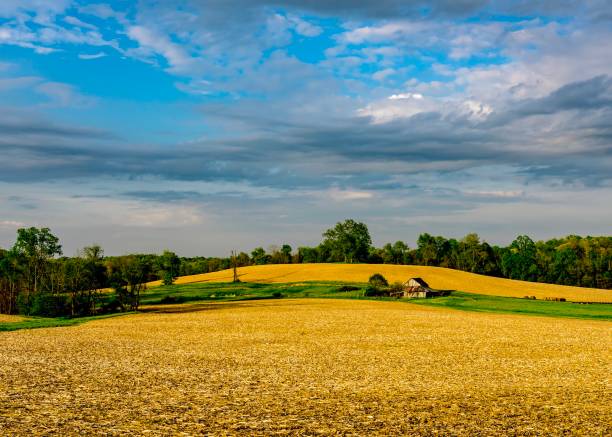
[
  {"x": 95, "y": 271},
  {"x": 259, "y": 256},
  {"x": 519, "y": 261},
  {"x": 11, "y": 278},
  {"x": 169, "y": 264},
  {"x": 286, "y": 253},
  {"x": 348, "y": 241},
  {"x": 36, "y": 247},
  {"x": 128, "y": 276}
]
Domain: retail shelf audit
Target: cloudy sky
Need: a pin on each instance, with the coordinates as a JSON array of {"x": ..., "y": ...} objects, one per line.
[{"x": 206, "y": 125}]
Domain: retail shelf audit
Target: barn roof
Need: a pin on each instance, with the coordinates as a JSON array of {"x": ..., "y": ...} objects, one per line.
[{"x": 420, "y": 281}]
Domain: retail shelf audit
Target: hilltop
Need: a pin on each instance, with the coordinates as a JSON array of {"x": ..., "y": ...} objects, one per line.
[{"x": 437, "y": 277}]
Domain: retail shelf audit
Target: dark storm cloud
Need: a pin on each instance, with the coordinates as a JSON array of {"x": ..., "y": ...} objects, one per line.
[
  {"x": 220, "y": 10},
  {"x": 592, "y": 94},
  {"x": 308, "y": 152},
  {"x": 30, "y": 128}
]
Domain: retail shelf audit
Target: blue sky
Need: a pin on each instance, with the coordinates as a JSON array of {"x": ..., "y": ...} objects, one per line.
[{"x": 205, "y": 125}]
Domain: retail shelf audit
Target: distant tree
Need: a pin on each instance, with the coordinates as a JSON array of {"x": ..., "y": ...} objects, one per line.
[
  {"x": 36, "y": 247},
  {"x": 395, "y": 253},
  {"x": 11, "y": 280},
  {"x": 128, "y": 278},
  {"x": 519, "y": 261},
  {"x": 242, "y": 260},
  {"x": 348, "y": 241},
  {"x": 274, "y": 255},
  {"x": 169, "y": 264},
  {"x": 286, "y": 253},
  {"x": 259, "y": 256},
  {"x": 308, "y": 254},
  {"x": 564, "y": 266},
  {"x": 427, "y": 250},
  {"x": 95, "y": 272}
]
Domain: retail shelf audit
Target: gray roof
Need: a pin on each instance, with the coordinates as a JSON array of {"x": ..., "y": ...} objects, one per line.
[{"x": 420, "y": 281}]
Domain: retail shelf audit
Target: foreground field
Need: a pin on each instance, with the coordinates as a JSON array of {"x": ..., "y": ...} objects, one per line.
[
  {"x": 437, "y": 277},
  {"x": 308, "y": 366}
]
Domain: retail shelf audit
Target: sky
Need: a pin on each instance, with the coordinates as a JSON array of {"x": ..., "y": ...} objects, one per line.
[{"x": 203, "y": 126}]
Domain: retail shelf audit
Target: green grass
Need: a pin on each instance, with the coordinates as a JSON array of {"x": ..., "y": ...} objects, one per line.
[
  {"x": 457, "y": 300},
  {"x": 251, "y": 291},
  {"x": 245, "y": 291},
  {"x": 510, "y": 305},
  {"x": 50, "y": 322}
]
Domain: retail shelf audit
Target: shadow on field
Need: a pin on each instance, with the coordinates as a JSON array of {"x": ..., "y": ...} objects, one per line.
[{"x": 211, "y": 306}]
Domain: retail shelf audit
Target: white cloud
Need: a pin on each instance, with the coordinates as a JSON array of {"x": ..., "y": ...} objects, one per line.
[
  {"x": 101, "y": 10},
  {"x": 76, "y": 22},
  {"x": 43, "y": 10},
  {"x": 404, "y": 96},
  {"x": 496, "y": 194},
  {"x": 385, "y": 32},
  {"x": 61, "y": 94},
  {"x": 86, "y": 56},
  {"x": 13, "y": 83},
  {"x": 477, "y": 110},
  {"x": 143, "y": 215},
  {"x": 303, "y": 27},
  {"x": 383, "y": 74},
  {"x": 347, "y": 195},
  {"x": 155, "y": 43},
  {"x": 11, "y": 224}
]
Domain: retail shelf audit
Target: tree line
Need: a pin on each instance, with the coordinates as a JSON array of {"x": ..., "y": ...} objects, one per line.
[{"x": 35, "y": 279}]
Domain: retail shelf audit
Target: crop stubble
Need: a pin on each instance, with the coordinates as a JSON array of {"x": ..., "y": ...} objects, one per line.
[{"x": 309, "y": 367}]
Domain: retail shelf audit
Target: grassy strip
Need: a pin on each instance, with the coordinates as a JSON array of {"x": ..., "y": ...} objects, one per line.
[
  {"x": 244, "y": 290},
  {"x": 46, "y": 322},
  {"x": 510, "y": 305},
  {"x": 457, "y": 300},
  {"x": 228, "y": 292}
]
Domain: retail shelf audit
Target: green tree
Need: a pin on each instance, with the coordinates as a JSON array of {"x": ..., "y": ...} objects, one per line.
[
  {"x": 259, "y": 256},
  {"x": 348, "y": 241},
  {"x": 308, "y": 255},
  {"x": 395, "y": 253},
  {"x": 169, "y": 264},
  {"x": 11, "y": 278},
  {"x": 286, "y": 253},
  {"x": 519, "y": 261},
  {"x": 36, "y": 247},
  {"x": 128, "y": 276}
]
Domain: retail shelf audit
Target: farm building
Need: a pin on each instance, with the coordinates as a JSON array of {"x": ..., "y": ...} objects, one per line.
[{"x": 417, "y": 287}]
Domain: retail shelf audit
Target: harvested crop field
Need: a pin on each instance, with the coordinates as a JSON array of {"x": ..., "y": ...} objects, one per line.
[
  {"x": 308, "y": 366},
  {"x": 436, "y": 277}
]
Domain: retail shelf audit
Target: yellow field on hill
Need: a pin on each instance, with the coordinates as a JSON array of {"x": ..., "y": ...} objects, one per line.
[
  {"x": 309, "y": 367},
  {"x": 437, "y": 277}
]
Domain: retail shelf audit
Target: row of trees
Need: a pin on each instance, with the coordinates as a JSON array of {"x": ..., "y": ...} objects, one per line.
[
  {"x": 36, "y": 279},
  {"x": 572, "y": 260}
]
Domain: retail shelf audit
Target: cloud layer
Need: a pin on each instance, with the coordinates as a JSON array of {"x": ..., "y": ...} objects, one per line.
[{"x": 305, "y": 113}]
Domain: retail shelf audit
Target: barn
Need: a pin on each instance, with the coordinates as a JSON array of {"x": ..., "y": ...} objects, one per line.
[{"x": 417, "y": 287}]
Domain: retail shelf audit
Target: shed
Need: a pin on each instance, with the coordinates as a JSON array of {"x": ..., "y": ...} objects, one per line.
[{"x": 417, "y": 287}]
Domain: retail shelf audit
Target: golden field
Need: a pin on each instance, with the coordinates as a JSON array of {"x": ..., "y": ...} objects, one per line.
[
  {"x": 437, "y": 277},
  {"x": 309, "y": 367}
]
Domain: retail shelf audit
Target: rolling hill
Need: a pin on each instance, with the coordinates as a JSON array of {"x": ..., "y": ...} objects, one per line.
[{"x": 437, "y": 277}]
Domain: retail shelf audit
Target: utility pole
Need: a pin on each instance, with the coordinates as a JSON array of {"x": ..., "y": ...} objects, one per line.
[{"x": 234, "y": 263}]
